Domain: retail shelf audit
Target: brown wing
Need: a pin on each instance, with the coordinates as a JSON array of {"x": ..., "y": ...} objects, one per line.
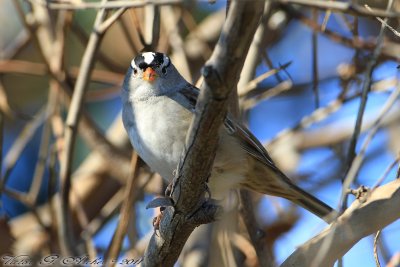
[
  {"x": 255, "y": 149},
  {"x": 246, "y": 139}
]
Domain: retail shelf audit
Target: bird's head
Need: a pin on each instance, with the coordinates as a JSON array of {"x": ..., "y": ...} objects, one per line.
[{"x": 152, "y": 74}]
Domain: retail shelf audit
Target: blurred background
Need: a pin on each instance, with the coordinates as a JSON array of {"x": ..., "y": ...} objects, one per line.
[{"x": 299, "y": 93}]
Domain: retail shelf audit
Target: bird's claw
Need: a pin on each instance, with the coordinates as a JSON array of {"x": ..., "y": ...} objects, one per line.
[{"x": 157, "y": 220}]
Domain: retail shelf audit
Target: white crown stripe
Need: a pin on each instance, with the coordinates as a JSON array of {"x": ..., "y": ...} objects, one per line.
[{"x": 148, "y": 57}]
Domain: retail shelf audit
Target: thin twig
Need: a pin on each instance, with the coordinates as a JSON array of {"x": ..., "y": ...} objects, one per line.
[
  {"x": 40, "y": 69},
  {"x": 106, "y": 212},
  {"x": 170, "y": 21},
  {"x": 73, "y": 117},
  {"x": 249, "y": 102},
  {"x": 83, "y": 38},
  {"x": 251, "y": 85},
  {"x": 389, "y": 50},
  {"x": 110, "y": 21},
  {"x": 126, "y": 210},
  {"x": 314, "y": 39},
  {"x": 4, "y": 103},
  {"x": 384, "y": 23},
  {"x": 17, "y": 44},
  {"x": 33, "y": 193},
  {"x": 344, "y": 7},
  {"x": 105, "y": 6},
  {"x": 386, "y": 172},
  {"x": 256, "y": 235},
  {"x": 376, "y": 240},
  {"x": 268, "y": 61},
  {"x": 151, "y": 28},
  {"x": 364, "y": 97},
  {"x": 84, "y": 222},
  {"x": 20, "y": 143},
  {"x": 351, "y": 165},
  {"x": 326, "y": 19},
  {"x": 89, "y": 131},
  {"x": 357, "y": 162}
]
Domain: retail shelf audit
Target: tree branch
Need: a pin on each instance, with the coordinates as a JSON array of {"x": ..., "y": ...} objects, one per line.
[
  {"x": 379, "y": 210},
  {"x": 221, "y": 74}
]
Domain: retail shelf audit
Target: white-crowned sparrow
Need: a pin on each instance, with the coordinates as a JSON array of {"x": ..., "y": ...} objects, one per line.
[{"x": 158, "y": 105}]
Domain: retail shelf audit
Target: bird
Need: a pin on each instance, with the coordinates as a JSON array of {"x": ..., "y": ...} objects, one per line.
[{"x": 158, "y": 105}]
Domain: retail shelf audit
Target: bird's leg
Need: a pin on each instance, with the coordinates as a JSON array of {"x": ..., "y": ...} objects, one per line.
[
  {"x": 162, "y": 203},
  {"x": 157, "y": 220}
]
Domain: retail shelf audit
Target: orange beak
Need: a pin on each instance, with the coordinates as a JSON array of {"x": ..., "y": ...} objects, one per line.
[{"x": 149, "y": 75}]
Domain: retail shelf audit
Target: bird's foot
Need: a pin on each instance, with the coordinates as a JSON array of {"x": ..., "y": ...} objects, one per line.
[{"x": 157, "y": 221}]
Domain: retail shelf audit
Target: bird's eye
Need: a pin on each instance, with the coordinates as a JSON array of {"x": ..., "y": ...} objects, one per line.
[
  {"x": 135, "y": 71},
  {"x": 164, "y": 70}
]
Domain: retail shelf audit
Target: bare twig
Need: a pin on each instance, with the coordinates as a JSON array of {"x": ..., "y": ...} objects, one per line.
[
  {"x": 351, "y": 164},
  {"x": 73, "y": 117},
  {"x": 126, "y": 210},
  {"x": 389, "y": 50},
  {"x": 84, "y": 222},
  {"x": 170, "y": 23},
  {"x": 384, "y": 23},
  {"x": 4, "y": 105},
  {"x": 249, "y": 102},
  {"x": 44, "y": 147},
  {"x": 89, "y": 132},
  {"x": 365, "y": 90},
  {"x": 253, "y": 58},
  {"x": 356, "y": 163},
  {"x": 18, "y": 43},
  {"x": 344, "y": 7},
  {"x": 314, "y": 39},
  {"x": 101, "y": 57},
  {"x": 256, "y": 234},
  {"x": 386, "y": 173},
  {"x": 251, "y": 85},
  {"x": 22, "y": 140},
  {"x": 110, "y": 21},
  {"x": 152, "y": 28},
  {"x": 376, "y": 240},
  {"x": 105, "y": 6}
]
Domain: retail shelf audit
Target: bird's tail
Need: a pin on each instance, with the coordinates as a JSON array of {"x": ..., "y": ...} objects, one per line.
[
  {"x": 313, "y": 204},
  {"x": 276, "y": 183}
]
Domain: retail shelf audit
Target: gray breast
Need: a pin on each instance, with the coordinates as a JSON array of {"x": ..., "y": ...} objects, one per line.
[{"x": 157, "y": 131}]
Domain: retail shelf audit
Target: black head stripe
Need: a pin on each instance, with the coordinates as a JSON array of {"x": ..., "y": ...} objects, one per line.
[
  {"x": 139, "y": 60},
  {"x": 143, "y": 65},
  {"x": 158, "y": 59}
]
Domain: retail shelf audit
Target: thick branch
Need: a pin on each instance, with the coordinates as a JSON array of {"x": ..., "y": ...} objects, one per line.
[
  {"x": 221, "y": 74},
  {"x": 379, "y": 210}
]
